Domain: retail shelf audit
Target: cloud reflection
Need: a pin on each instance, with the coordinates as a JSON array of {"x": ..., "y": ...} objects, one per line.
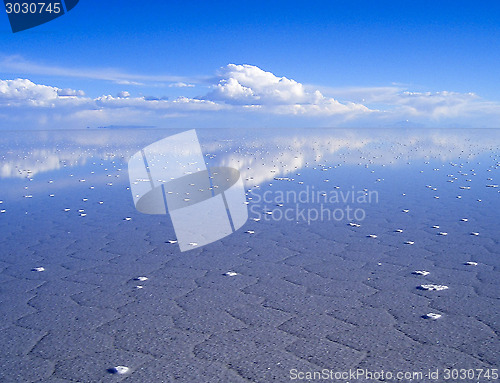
[{"x": 260, "y": 158}]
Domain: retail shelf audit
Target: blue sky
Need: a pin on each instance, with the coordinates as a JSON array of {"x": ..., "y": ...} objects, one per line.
[{"x": 428, "y": 62}]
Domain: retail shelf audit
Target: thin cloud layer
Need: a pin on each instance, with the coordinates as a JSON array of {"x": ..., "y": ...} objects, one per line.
[
  {"x": 431, "y": 106},
  {"x": 16, "y": 64},
  {"x": 242, "y": 95}
]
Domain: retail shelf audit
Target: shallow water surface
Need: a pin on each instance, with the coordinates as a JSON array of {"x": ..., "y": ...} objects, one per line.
[{"x": 321, "y": 276}]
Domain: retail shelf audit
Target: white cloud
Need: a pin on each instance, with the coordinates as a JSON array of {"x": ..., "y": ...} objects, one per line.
[
  {"x": 430, "y": 108},
  {"x": 67, "y": 92},
  {"x": 23, "y": 93},
  {"x": 123, "y": 94},
  {"x": 17, "y": 65},
  {"x": 244, "y": 95},
  {"x": 180, "y": 84},
  {"x": 251, "y": 86},
  {"x": 438, "y": 104},
  {"x": 184, "y": 103},
  {"x": 26, "y": 91}
]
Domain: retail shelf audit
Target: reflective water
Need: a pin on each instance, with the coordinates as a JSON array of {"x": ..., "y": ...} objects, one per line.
[{"x": 339, "y": 221}]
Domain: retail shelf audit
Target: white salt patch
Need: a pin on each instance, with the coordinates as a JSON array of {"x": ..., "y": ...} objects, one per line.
[
  {"x": 470, "y": 263},
  {"x": 120, "y": 370},
  {"x": 433, "y": 287},
  {"x": 433, "y": 316},
  {"x": 421, "y": 272}
]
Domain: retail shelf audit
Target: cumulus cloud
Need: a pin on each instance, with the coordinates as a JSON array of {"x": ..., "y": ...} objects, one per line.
[
  {"x": 249, "y": 85},
  {"x": 26, "y": 91},
  {"x": 23, "y": 94},
  {"x": 123, "y": 94},
  {"x": 439, "y": 104},
  {"x": 243, "y": 95},
  {"x": 105, "y": 102},
  {"x": 397, "y": 102}
]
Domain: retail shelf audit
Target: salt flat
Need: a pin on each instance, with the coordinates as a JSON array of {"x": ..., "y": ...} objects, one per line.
[{"x": 297, "y": 293}]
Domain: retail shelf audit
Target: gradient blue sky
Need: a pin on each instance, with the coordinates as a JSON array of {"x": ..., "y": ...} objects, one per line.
[{"x": 346, "y": 50}]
